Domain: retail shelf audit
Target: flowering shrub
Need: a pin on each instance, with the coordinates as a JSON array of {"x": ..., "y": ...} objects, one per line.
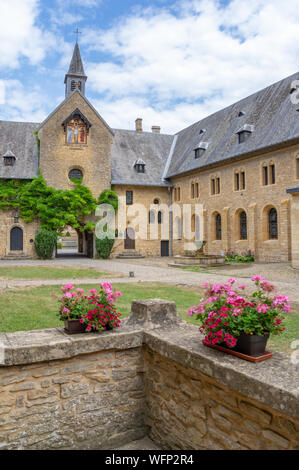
[
  {"x": 96, "y": 310},
  {"x": 103, "y": 314},
  {"x": 225, "y": 311},
  {"x": 73, "y": 303}
]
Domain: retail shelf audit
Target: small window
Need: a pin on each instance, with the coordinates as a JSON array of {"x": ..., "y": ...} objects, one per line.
[
  {"x": 272, "y": 173},
  {"x": 273, "y": 226},
  {"x": 243, "y": 182},
  {"x": 243, "y": 226},
  {"x": 199, "y": 152},
  {"x": 159, "y": 217},
  {"x": 217, "y": 185},
  {"x": 237, "y": 181},
  {"x": 196, "y": 190},
  {"x": 139, "y": 166},
  {"x": 192, "y": 191},
  {"x": 75, "y": 174},
  {"x": 243, "y": 136},
  {"x": 151, "y": 217},
  {"x": 156, "y": 201},
  {"x": 9, "y": 161},
  {"x": 129, "y": 197},
  {"x": 266, "y": 179},
  {"x": 213, "y": 186},
  {"x": 297, "y": 168},
  {"x": 218, "y": 227}
]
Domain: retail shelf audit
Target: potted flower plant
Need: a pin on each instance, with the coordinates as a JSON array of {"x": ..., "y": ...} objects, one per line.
[
  {"x": 234, "y": 321},
  {"x": 102, "y": 314},
  {"x": 73, "y": 305}
]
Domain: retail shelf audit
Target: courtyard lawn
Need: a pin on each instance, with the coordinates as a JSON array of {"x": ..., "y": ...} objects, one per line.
[
  {"x": 47, "y": 272},
  {"x": 32, "y": 309}
]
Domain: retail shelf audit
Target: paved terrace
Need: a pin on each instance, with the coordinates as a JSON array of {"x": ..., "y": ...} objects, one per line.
[{"x": 285, "y": 278}]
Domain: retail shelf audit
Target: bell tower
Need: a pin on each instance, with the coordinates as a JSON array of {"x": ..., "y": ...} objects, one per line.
[{"x": 75, "y": 78}]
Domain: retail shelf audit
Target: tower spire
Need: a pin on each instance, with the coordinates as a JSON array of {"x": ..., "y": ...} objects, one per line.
[{"x": 75, "y": 78}]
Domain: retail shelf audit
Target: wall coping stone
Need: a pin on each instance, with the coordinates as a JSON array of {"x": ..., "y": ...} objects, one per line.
[{"x": 273, "y": 382}]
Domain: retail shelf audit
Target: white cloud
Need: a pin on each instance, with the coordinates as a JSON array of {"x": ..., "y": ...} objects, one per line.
[
  {"x": 193, "y": 59},
  {"x": 19, "y": 36},
  {"x": 23, "y": 105}
]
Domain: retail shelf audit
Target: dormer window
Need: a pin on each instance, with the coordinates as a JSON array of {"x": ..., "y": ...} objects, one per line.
[
  {"x": 139, "y": 166},
  {"x": 9, "y": 158},
  {"x": 245, "y": 132},
  {"x": 200, "y": 150}
]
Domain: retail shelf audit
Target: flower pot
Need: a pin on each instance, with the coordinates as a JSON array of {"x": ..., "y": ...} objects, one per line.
[
  {"x": 74, "y": 327},
  {"x": 252, "y": 345}
]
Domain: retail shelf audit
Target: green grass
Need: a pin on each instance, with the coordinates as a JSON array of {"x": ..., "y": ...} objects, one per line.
[
  {"x": 39, "y": 272},
  {"x": 31, "y": 309}
]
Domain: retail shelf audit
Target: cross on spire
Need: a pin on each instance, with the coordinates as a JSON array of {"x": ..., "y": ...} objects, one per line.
[{"x": 77, "y": 32}]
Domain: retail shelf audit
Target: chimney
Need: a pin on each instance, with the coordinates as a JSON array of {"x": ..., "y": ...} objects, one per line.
[
  {"x": 138, "y": 124},
  {"x": 156, "y": 129}
]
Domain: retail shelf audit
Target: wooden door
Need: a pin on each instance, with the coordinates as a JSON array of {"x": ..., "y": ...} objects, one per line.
[
  {"x": 165, "y": 248},
  {"x": 16, "y": 239},
  {"x": 130, "y": 239}
]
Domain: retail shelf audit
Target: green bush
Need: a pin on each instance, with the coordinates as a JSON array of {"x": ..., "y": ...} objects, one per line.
[
  {"x": 104, "y": 247},
  {"x": 245, "y": 257},
  {"x": 44, "y": 243}
]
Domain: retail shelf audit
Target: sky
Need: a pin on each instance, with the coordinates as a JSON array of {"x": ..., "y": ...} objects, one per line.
[{"x": 169, "y": 62}]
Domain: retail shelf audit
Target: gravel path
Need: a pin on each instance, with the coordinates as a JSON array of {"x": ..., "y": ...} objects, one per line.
[{"x": 282, "y": 275}]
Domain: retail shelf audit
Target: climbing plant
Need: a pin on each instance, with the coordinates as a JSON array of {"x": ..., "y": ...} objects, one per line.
[
  {"x": 109, "y": 197},
  {"x": 54, "y": 208}
]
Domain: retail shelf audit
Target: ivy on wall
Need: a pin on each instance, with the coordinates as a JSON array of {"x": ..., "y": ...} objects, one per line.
[{"x": 55, "y": 209}]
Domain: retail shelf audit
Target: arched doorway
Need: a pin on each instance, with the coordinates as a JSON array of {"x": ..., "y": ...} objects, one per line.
[
  {"x": 16, "y": 239},
  {"x": 130, "y": 239}
]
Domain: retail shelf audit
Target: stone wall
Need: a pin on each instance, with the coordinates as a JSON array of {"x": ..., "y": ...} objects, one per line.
[
  {"x": 189, "y": 410},
  {"x": 153, "y": 376}
]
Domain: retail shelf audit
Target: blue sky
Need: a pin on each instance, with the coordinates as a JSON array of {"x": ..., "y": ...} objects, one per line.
[{"x": 169, "y": 62}]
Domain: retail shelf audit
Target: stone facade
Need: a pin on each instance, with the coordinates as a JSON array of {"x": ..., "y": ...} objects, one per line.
[
  {"x": 256, "y": 200},
  {"x": 8, "y": 223},
  {"x": 58, "y": 158},
  {"x": 143, "y": 196},
  {"x": 153, "y": 376}
]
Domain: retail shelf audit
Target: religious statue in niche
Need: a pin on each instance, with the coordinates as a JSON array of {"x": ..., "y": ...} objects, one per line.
[{"x": 76, "y": 132}]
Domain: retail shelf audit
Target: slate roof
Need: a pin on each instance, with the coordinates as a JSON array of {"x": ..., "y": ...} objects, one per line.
[
  {"x": 76, "y": 65},
  {"x": 129, "y": 146},
  {"x": 19, "y": 138},
  {"x": 274, "y": 117},
  {"x": 293, "y": 190}
]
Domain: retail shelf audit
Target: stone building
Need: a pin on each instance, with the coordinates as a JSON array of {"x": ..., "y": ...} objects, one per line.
[{"x": 239, "y": 166}]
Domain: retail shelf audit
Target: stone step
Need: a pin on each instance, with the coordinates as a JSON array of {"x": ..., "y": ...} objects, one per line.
[
  {"x": 14, "y": 256},
  {"x": 130, "y": 255}
]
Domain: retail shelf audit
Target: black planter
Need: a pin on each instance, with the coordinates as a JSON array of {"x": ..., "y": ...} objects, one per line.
[
  {"x": 74, "y": 327},
  {"x": 251, "y": 345}
]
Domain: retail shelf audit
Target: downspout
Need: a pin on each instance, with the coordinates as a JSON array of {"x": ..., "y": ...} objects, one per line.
[{"x": 170, "y": 222}]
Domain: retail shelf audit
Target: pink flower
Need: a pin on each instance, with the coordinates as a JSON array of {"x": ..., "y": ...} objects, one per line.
[
  {"x": 67, "y": 295},
  {"x": 67, "y": 287},
  {"x": 80, "y": 291},
  {"x": 262, "y": 308},
  {"x": 92, "y": 291},
  {"x": 257, "y": 278},
  {"x": 232, "y": 280},
  {"x": 243, "y": 286}
]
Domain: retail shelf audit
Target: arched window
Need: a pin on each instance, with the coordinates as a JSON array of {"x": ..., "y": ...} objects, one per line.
[
  {"x": 179, "y": 228},
  {"x": 243, "y": 226},
  {"x": 151, "y": 217},
  {"x": 218, "y": 227},
  {"x": 159, "y": 217},
  {"x": 75, "y": 174},
  {"x": 273, "y": 226}
]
